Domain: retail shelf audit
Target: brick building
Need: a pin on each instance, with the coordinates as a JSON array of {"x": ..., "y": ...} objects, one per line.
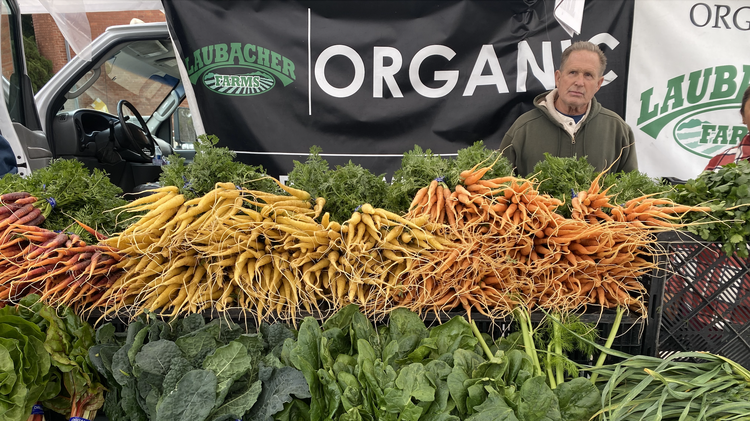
[{"x": 51, "y": 42}]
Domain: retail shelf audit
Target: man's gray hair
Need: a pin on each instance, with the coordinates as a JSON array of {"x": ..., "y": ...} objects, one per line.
[{"x": 585, "y": 46}]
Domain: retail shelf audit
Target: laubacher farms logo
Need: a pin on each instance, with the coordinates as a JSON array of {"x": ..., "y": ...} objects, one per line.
[
  {"x": 699, "y": 111},
  {"x": 239, "y": 69},
  {"x": 253, "y": 83}
]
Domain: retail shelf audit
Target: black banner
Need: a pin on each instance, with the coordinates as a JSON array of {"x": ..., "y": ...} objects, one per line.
[{"x": 367, "y": 80}]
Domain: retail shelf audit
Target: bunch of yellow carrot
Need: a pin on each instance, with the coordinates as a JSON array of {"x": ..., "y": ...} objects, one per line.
[
  {"x": 267, "y": 254},
  {"x": 215, "y": 251}
]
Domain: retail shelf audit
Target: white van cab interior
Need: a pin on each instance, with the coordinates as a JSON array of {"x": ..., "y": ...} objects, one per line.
[{"x": 124, "y": 111}]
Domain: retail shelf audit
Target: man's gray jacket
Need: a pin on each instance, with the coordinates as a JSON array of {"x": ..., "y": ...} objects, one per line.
[{"x": 601, "y": 136}]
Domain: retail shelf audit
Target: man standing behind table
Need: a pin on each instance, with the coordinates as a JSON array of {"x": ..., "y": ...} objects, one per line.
[{"x": 569, "y": 122}]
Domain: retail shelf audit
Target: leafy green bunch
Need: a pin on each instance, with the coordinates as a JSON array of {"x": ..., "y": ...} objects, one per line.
[
  {"x": 193, "y": 370},
  {"x": 406, "y": 371},
  {"x": 68, "y": 191},
  {"x": 727, "y": 192},
  {"x": 419, "y": 167},
  {"x": 559, "y": 342},
  {"x": 681, "y": 386},
  {"x": 25, "y": 367},
  {"x": 311, "y": 175},
  {"x": 72, "y": 385},
  {"x": 209, "y": 166},
  {"x": 630, "y": 185}
]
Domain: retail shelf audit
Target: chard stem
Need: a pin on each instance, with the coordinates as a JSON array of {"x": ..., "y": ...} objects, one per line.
[
  {"x": 478, "y": 334},
  {"x": 552, "y": 382},
  {"x": 610, "y": 339},
  {"x": 524, "y": 320},
  {"x": 560, "y": 367}
]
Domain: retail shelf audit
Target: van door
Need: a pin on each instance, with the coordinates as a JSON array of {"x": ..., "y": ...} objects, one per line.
[{"x": 19, "y": 121}]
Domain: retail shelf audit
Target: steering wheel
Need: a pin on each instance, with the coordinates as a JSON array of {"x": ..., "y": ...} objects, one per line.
[{"x": 137, "y": 139}]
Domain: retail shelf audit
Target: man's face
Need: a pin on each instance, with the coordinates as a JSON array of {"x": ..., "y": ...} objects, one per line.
[{"x": 577, "y": 82}]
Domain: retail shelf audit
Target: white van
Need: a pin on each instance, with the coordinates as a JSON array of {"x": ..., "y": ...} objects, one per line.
[{"x": 96, "y": 111}]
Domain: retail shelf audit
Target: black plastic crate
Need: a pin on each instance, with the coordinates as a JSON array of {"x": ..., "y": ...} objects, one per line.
[{"x": 700, "y": 300}]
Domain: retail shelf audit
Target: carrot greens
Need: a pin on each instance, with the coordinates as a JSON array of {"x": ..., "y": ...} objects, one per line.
[
  {"x": 478, "y": 154},
  {"x": 345, "y": 188},
  {"x": 210, "y": 165},
  {"x": 68, "y": 191},
  {"x": 349, "y": 186},
  {"x": 418, "y": 168},
  {"x": 311, "y": 175}
]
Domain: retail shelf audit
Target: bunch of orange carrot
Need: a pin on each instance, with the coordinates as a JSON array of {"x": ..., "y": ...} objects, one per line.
[
  {"x": 60, "y": 267},
  {"x": 644, "y": 211},
  {"x": 512, "y": 248}
]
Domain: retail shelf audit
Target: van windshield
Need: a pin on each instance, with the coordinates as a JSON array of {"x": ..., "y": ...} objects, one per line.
[{"x": 142, "y": 72}]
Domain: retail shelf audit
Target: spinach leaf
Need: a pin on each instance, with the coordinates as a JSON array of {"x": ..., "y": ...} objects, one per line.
[
  {"x": 579, "y": 399},
  {"x": 444, "y": 340},
  {"x": 413, "y": 380},
  {"x": 519, "y": 369},
  {"x": 437, "y": 373},
  {"x": 334, "y": 342},
  {"x": 375, "y": 377},
  {"x": 350, "y": 320},
  {"x": 296, "y": 410},
  {"x": 406, "y": 329},
  {"x": 331, "y": 391},
  {"x": 351, "y": 396},
  {"x": 538, "y": 402},
  {"x": 464, "y": 364},
  {"x": 493, "y": 409}
]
